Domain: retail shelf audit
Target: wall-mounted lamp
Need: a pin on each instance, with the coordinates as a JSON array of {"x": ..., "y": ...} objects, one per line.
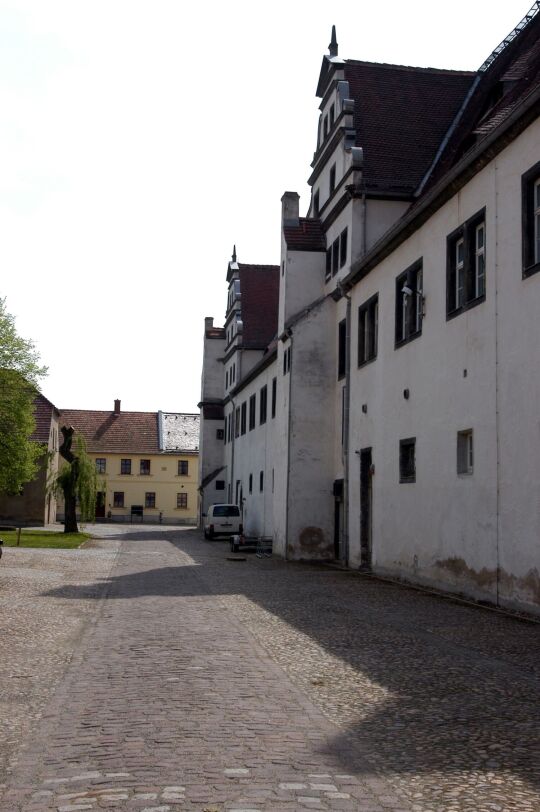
[{"x": 407, "y": 291}]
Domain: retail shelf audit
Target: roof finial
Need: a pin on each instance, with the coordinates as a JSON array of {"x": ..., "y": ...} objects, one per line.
[
  {"x": 333, "y": 47},
  {"x": 234, "y": 253}
]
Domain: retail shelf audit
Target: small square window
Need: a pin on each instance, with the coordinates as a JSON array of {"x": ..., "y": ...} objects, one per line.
[
  {"x": 181, "y": 501},
  {"x": 407, "y": 460},
  {"x": 183, "y": 467},
  {"x": 150, "y": 499},
  {"x": 125, "y": 466},
  {"x": 465, "y": 452},
  {"x": 220, "y": 484},
  {"x": 118, "y": 499},
  {"x": 101, "y": 465},
  {"x": 219, "y": 434},
  {"x": 145, "y": 467}
]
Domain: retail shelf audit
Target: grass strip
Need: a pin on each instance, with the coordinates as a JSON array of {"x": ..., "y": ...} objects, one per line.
[{"x": 37, "y": 538}]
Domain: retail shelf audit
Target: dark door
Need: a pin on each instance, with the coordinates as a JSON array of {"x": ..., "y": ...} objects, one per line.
[
  {"x": 366, "y": 473},
  {"x": 100, "y": 505},
  {"x": 338, "y": 519}
]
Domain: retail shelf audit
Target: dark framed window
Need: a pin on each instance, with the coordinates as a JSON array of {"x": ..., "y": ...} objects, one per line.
[
  {"x": 325, "y": 126},
  {"x": 118, "y": 499},
  {"x": 409, "y": 304},
  {"x": 220, "y": 484},
  {"x": 336, "y": 254},
  {"x": 251, "y": 483},
  {"x": 144, "y": 467},
  {"x": 229, "y": 428},
  {"x": 261, "y": 481},
  {"x": 220, "y": 434},
  {"x": 243, "y": 418},
  {"x": 466, "y": 265},
  {"x": 150, "y": 499},
  {"x": 101, "y": 465},
  {"x": 237, "y": 422},
  {"x": 286, "y": 360},
  {"x": 125, "y": 466},
  {"x": 274, "y": 396},
  {"x": 332, "y": 178},
  {"x": 183, "y": 467},
  {"x": 368, "y": 322},
  {"x": 465, "y": 452},
  {"x": 407, "y": 460},
  {"x": 252, "y": 411},
  {"x": 316, "y": 208},
  {"x": 332, "y": 114},
  {"x": 342, "y": 347},
  {"x": 263, "y": 397},
  {"x": 530, "y": 219},
  {"x": 181, "y": 501}
]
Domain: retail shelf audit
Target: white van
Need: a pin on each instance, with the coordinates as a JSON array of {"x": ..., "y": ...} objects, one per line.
[{"x": 222, "y": 520}]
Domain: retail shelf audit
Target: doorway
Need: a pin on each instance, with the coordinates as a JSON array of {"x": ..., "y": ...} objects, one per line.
[
  {"x": 100, "y": 505},
  {"x": 338, "y": 519},
  {"x": 366, "y": 507}
]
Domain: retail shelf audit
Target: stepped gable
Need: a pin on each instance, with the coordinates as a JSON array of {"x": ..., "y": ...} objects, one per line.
[
  {"x": 308, "y": 235},
  {"x": 401, "y": 115},
  {"x": 259, "y": 285},
  {"x": 123, "y": 432}
]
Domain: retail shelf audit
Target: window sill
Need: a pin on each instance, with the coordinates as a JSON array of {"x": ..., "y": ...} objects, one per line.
[
  {"x": 531, "y": 270},
  {"x": 367, "y": 361},
  {"x": 403, "y": 341},
  {"x": 473, "y": 303},
  {"x": 406, "y": 480}
]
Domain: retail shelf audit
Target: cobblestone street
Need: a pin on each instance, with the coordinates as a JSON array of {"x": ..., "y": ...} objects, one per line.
[{"x": 148, "y": 672}]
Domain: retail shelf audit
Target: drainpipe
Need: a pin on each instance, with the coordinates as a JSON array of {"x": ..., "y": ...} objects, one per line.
[
  {"x": 346, "y": 422},
  {"x": 288, "y": 452}
]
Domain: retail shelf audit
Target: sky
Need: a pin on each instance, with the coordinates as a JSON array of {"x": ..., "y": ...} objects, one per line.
[{"x": 141, "y": 139}]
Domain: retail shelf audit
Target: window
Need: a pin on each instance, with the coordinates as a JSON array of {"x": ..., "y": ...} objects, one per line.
[
  {"x": 252, "y": 411},
  {"x": 465, "y": 454},
  {"x": 530, "y": 214},
  {"x": 150, "y": 499},
  {"x": 286, "y": 360},
  {"x": 219, "y": 434},
  {"x": 145, "y": 467},
  {"x": 368, "y": 317},
  {"x": 316, "y": 208},
  {"x": 181, "y": 501},
  {"x": 332, "y": 114},
  {"x": 251, "y": 483},
  {"x": 118, "y": 499},
  {"x": 227, "y": 379},
  {"x": 409, "y": 301},
  {"x": 274, "y": 396},
  {"x": 125, "y": 466},
  {"x": 342, "y": 347},
  {"x": 243, "y": 416},
  {"x": 183, "y": 467},
  {"x": 229, "y": 428},
  {"x": 407, "y": 460},
  {"x": 325, "y": 126},
  {"x": 237, "y": 422},
  {"x": 336, "y": 255},
  {"x": 466, "y": 266},
  {"x": 262, "y": 405},
  {"x": 332, "y": 178},
  {"x": 101, "y": 465},
  {"x": 261, "y": 481},
  {"x": 220, "y": 484}
]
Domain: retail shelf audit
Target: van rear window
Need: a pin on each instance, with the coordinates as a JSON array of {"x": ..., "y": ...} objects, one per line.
[{"x": 226, "y": 510}]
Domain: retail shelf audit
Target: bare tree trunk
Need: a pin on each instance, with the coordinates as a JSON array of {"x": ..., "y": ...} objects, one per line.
[{"x": 70, "y": 487}]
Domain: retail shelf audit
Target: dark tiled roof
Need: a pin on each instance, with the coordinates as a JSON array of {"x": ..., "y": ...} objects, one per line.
[
  {"x": 259, "y": 285},
  {"x": 507, "y": 82},
  {"x": 43, "y": 414},
  {"x": 401, "y": 116},
  {"x": 135, "y": 432},
  {"x": 308, "y": 235}
]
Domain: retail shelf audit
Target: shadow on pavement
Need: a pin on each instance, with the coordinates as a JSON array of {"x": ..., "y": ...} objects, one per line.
[{"x": 440, "y": 688}]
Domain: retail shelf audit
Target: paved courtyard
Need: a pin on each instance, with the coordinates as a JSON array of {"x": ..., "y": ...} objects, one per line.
[{"x": 149, "y": 672}]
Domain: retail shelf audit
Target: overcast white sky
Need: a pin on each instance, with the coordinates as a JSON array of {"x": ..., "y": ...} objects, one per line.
[{"x": 140, "y": 139}]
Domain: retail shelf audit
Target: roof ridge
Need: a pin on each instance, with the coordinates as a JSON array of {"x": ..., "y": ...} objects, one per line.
[{"x": 416, "y": 68}]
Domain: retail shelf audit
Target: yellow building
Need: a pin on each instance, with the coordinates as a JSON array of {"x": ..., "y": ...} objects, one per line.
[{"x": 147, "y": 463}]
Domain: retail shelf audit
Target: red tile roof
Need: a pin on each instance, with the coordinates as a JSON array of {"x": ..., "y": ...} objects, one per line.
[
  {"x": 44, "y": 411},
  {"x": 259, "y": 286},
  {"x": 401, "y": 115},
  {"x": 308, "y": 235},
  {"x": 133, "y": 432}
]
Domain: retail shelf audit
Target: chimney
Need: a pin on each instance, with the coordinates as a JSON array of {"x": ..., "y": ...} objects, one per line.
[
  {"x": 290, "y": 207},
  {"x": 208, "y": 323},
  {"x": 117, "y": 406}
]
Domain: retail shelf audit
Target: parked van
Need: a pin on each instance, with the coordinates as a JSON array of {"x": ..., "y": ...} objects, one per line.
[{"x": 222, "y": 520}]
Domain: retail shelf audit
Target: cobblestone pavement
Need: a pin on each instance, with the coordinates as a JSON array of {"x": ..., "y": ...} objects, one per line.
[{"x": 208, "y": 684}]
